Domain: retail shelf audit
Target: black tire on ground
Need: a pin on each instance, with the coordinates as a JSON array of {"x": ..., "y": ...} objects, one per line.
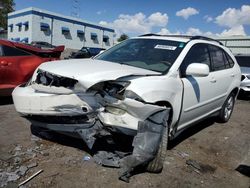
[
  {"x": 156, "y": 165},
  {"x": 227, "y": 109}
]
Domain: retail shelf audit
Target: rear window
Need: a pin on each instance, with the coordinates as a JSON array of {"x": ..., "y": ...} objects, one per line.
[
  {"x": 10, "y": 51},
  {"x": 243, "y": 61}
]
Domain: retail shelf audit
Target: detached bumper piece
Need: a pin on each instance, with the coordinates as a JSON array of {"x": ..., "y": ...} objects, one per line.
[{"x": 145, "y": 144}]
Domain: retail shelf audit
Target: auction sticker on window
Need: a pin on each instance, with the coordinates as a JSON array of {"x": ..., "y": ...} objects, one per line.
[{"x": 165, "y": 47}]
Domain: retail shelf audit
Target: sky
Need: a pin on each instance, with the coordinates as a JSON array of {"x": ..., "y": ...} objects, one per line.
[{"x": 136, "y": 17}]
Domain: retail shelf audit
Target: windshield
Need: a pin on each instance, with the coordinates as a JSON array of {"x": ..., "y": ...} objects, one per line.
[{"x": 150, "y": 54}]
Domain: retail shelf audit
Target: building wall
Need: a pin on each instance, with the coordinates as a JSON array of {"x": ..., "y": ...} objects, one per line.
[
  {"x": 3, "y": 34},
  {"x": 37, "y": 33},
  {"x": 54, "y": 34},
  {"x": 15, "y": 33},
  {"x": 237, "y": 44}
]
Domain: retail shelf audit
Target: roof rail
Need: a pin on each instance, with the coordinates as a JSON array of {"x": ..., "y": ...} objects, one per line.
[
  {"x": 152, "y": 34},
  {"x": 149, "y": 34},
  {"x": 205, "y": 38},
  {"x": 183, "y": 36}
]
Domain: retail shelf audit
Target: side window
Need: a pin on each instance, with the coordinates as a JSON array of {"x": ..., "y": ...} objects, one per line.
[
  {"x": 227, "y": 65},
  {"x": 219, "y": 59},
  {"x": 197, "y": 54},
  {"x": 10, "y": 51},
  {"x": 229, "y": 59}
]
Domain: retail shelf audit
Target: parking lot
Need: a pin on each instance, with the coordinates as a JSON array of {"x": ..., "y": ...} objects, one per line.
[{"x": 204, "y": 156}]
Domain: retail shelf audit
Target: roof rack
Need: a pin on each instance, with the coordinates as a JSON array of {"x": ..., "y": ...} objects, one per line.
[
  {"x": 158, "y": 35},
  {"x": 183, "y": 36},
  {"x": 205, "y": 38}
]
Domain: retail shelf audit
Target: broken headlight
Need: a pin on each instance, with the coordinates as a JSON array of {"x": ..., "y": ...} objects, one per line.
[
  {"x": 78, "y": 88},
  {"x": 49, "y": 79},
  {"x": 116, "y": 88},
  {"x": 132, "y": 95}
]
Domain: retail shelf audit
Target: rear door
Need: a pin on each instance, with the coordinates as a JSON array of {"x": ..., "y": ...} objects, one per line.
[
  {"x": 221, "y": 72},
  {"x": 11, "y": 65},
  {"x": 2, "y": 70}
]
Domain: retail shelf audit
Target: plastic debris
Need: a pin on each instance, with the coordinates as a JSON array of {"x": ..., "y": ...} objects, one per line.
[
  {"x": 86, "y": 158},
  {"x": 30, "y": 178}
]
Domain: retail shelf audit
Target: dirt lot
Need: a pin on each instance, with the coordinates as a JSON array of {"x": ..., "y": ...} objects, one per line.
[{"x": 204, "y": 156}]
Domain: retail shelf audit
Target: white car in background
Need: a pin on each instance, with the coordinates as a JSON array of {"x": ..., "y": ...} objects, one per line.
[
  {"x": 244, "y": 62},
  {"x": 151, "y": 86}
]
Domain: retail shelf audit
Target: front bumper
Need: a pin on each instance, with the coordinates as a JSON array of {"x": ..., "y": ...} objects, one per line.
[{"x": 72, "y": 111}]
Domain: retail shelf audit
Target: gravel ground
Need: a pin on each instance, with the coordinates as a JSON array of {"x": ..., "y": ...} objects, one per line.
[{"x": 203, "y": 156}]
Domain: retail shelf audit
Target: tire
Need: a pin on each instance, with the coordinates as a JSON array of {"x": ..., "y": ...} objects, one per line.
[
  {"x": 156, "y": 165},
  {"x": 227, "y": 109}
]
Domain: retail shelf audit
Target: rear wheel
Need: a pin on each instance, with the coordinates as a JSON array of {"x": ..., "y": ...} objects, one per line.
[
  {"x": 156, "y": 165},
  {"x": 227, "y": 109}
]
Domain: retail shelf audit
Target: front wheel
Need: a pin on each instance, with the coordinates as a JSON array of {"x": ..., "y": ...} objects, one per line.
[
  {"x": 227, "y": 109},
  {"x": 156, "y": 165}
]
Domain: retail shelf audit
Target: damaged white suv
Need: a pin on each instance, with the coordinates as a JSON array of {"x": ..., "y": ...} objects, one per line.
[{"x": 150, "y": 86}]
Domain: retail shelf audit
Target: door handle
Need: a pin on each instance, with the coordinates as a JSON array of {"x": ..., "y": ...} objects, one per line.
[
  {"x": 232, "y": 75},
  {"x": 212, "y": 80}
]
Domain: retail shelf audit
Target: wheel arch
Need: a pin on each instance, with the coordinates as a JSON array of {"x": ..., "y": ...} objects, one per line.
[
  {"x": 235, "y": 91},
  {"x": 169, "y": 105}
]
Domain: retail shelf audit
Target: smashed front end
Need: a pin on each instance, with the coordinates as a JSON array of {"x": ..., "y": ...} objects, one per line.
[{"x": 63, "y": 104}]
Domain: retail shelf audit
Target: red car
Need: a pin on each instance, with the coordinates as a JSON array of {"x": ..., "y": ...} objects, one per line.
[{"x": 18, "y": 61}]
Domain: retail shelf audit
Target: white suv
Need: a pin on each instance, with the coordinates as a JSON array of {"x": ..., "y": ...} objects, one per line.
[{"x": 150, "y": 86}]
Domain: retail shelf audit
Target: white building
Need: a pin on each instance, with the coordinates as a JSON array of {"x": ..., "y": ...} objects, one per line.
[
  {"x": 237, "y": 44},
  {"x": 33, "y": 24}
]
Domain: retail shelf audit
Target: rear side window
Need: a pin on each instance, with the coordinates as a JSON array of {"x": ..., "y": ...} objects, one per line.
[
  {"x": 10, "y": 51},
  {"x": 220, "y": 59}
]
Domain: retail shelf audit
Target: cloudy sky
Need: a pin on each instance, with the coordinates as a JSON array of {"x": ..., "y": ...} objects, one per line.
[{"x": 135, "y": 17}]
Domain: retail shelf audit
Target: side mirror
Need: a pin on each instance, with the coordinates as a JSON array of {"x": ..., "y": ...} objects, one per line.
[{"x": 197, "y": 69}]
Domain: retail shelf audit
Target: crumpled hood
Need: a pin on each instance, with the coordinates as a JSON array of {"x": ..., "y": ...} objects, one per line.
[{"x": 89, "y": 72}]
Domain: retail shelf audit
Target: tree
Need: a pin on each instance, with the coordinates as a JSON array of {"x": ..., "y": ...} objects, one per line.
[
  {"x": 122, "y": 37},
  {"x": 6, "y": 6}
]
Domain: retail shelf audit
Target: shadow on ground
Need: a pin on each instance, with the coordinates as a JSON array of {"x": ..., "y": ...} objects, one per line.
[
  {"x": 6, "y": 100},
  {"x": 118, "y": 142},
  {"x": 244, "y": 96},
  {"x": 192, "y": 130}
]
